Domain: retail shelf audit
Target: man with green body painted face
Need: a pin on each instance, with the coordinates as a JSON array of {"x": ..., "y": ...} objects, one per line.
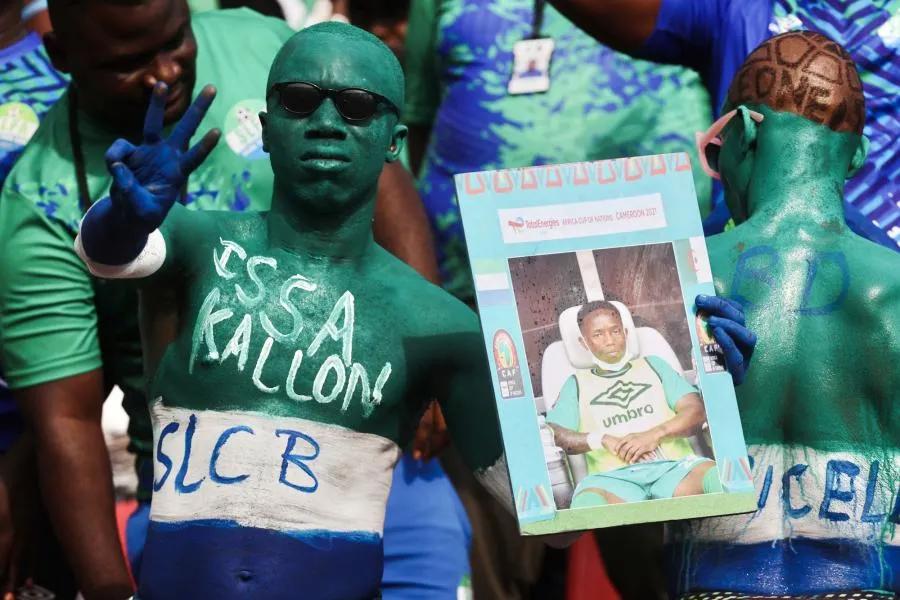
[
  {"x": 820, "y": 409},
  {"x": 297, "y": 356}
]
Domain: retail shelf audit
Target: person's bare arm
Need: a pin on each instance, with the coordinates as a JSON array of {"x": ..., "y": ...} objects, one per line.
[
  {"x": 623, "y": 25},
  {"x": 573, "y": 442},
  {"x": 423, "y": 77},
  {"x": 418, "y": 143},
  {"x": 76, "y": 480},
  {"x": 401, "y": 226},
  {"x": 689, "y": 417}
]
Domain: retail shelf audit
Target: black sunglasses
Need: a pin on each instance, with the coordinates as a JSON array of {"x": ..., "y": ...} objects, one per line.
[{"x": 354, "y": 104}]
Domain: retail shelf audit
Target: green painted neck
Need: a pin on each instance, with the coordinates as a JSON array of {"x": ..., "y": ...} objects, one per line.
[
  {"x": 798, "y": 172},
  {"x": 338, "y": 236}
]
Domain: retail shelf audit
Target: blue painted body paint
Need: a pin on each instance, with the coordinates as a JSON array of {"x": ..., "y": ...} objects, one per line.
[
  {"x": 821, "y": 258},
  {"x": 816, "y": 566},
  {"x": 747, "y": 269},
  {"x": 871, "y": 486},
  {"x": 833, "y": 491},
  {"x": 766, "y": 487},
  {"x": 162, "y": 457},
  {"x": 180, "y": 486},
  {"x": 288, "y": 458},
  {"x": 223, "y": 439},
  {"x": 108, "y": 237},
  {"x": 761, "y": 271},
  {"x": 347, "y": 566},
  {"x": 795, "y": 471}
]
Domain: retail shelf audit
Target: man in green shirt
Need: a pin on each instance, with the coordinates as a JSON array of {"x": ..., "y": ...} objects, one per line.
[{"x": 66, "y": 339}]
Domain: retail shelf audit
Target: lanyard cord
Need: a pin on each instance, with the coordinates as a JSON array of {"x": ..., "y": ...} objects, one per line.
[
  {"x": 84, "y": 196},
  {"x": 538, "y": 19}
]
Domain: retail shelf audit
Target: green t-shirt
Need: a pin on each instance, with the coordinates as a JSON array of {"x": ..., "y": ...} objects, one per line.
[
  {"x": 198, "y": 6},
  {"x": 57, "y": 321}
]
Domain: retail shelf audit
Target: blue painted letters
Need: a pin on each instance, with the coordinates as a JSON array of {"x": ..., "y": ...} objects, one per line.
[
  {"x": 213, "y": 473},
  {"x": 840, "y": 261},
  {"x": 162, "y": 457},
  {"x": 763, "y": 271},
  {"x": 833, "y": 491},
  {"x": 870, "y": 496},
  {"x": 760, "y": 264},
  {"x": 795, "y": 471},
  {"x": 180, "y": 486},
  {"x": 297, "y": 459}
]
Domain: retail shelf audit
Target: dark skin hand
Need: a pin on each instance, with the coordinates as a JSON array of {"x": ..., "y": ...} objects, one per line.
[
  {"x": 73, "y": 463},
  {"x": 623, "y": 25}
]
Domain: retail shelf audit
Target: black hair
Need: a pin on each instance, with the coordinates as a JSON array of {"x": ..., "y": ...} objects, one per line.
[
  {"x": 58, "y": 9},
  {"x": 597, "y": 305},
  {"x": 363, "y": 13},
  {"x": 269, "y": 8}
]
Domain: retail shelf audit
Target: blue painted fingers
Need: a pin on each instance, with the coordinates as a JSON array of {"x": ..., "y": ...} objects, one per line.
[
  {"x": 148, "y": 179},
  {"x": 727, "y": 322}
]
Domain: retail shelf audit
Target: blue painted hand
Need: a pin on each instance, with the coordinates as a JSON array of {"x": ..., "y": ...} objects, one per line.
[
  {"x": 726, "y": 320},
  {"x": 148, "y": 179}
]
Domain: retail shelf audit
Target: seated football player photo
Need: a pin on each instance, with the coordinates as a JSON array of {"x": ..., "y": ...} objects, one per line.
[{"x": 632, "y": 418}]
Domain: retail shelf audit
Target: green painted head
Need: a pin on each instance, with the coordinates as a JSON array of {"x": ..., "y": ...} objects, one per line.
[
  {"x": 808, "y": 90},
  {"x": 323, "y": 161}
]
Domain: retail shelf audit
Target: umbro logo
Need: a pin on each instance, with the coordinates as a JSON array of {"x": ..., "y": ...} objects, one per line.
[{"x": 621, "y": 394}]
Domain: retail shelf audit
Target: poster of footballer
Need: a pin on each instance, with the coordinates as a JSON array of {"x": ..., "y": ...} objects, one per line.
[{"x": 613, "y": 397}]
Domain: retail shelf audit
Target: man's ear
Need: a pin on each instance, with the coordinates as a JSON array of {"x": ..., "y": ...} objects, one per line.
[
  {"x": 55, "y": 51},
  {"x": 859, "y": 156},
  {"x": 398, "y": 141},
  {"x": 262, "y": 121},
  {"x": 750, "y": 129}
]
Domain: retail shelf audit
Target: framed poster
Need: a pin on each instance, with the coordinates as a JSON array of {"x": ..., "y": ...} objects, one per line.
[{"x": 613, "y": 398}]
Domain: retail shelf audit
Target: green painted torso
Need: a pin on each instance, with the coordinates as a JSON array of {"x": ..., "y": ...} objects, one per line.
[
  {"x": 825, "y": 375},
  {"x": 389, "y": 351}
]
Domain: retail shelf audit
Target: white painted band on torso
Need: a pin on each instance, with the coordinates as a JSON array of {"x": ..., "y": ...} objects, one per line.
[
  {"x": 279, "y": 473},
  {"x": 831, "y": 495},
  {"x": 147, "y": 262}
]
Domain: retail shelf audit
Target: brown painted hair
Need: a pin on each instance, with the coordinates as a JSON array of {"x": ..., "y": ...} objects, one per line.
[{"x": 805, "y": 73}]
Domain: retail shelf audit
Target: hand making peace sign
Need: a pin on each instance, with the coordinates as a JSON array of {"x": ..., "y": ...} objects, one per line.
[{"x": 147, "y": 179}]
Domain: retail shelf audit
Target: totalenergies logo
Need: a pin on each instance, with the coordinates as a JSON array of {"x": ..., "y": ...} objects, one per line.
[{"x": 517, "y": 224}]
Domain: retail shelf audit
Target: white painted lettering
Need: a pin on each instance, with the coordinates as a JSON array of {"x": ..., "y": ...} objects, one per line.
[
  {"x": 240, "y": 343},
  {"x": 203, "y": 330},
  {"x": 245, "y": 298},
  {"x": 357, "y": 375},
  {"x": 332, "y": 363},
  {"x": 342, "y": 308},
  {"x": 260, "y": 365},
  {"x": 221, "y": 263},
  {"x": 298, "y": 282}
]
